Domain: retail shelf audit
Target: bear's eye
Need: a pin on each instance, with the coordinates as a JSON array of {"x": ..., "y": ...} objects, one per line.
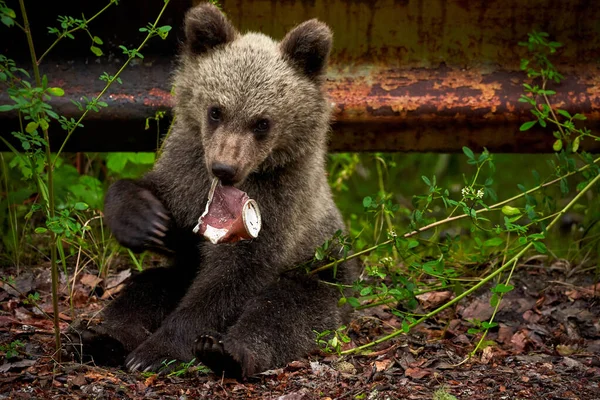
[
  {"x": 215, "y": 113},
  {"x": 261, "y": 126}
]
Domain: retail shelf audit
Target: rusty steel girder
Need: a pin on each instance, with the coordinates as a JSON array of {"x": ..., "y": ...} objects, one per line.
[{"x": 405, "y": 75}]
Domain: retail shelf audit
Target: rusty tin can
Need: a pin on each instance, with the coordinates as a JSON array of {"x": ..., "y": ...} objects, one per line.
[{"x": 230, "y": 215}]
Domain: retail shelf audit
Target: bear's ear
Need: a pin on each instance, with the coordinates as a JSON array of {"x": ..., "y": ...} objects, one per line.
[
  {"x": 205, "y": 28},
  {"x": 307, "y": 46}
]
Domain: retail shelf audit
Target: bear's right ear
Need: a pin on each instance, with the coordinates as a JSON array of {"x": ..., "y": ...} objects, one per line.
[
  {"x": 307, "y": 46},
  {"x": 205, "y": 28}
]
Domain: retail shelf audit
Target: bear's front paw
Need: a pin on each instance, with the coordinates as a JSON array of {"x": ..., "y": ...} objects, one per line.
[
  {"x": 224, "y": 358},
  {"x": 137, "y": 219},
  {"x": 91, "y": 344},
  {"x": 210, "y": 351},
  {"x": 152, "y": 356}
]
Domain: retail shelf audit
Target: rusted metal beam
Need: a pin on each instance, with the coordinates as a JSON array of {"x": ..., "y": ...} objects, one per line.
[
  {"x": 405, "y": 75},
  {"x": 375, "y": 109}
]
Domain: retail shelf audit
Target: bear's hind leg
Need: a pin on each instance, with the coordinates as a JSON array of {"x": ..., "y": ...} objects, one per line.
[
  {"x": 275, "y": 328},
  {"x": 129, "y": 319}
]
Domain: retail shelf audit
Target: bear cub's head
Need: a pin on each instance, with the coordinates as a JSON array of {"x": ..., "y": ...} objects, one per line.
[{"x": 254, "y": 104}]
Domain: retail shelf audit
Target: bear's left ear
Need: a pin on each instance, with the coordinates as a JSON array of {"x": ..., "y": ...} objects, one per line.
[
  {"x": 205, "y": 28},
  {"x": 307, "y": 46}
]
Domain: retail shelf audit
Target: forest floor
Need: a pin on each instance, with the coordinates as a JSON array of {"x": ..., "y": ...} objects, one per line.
[{"x": 547, "y": 346}]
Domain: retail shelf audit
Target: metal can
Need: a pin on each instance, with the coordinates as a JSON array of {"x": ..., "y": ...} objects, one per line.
[{"x": 230, "y": 215}]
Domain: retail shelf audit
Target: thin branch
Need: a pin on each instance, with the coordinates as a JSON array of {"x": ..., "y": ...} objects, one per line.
[
  {"x": 77, "y": 28},
  {"x": 111, "y": 80},
  {"x": 50, "y": 169}
]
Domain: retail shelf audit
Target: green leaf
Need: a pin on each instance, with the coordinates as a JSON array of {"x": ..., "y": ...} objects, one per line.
[
  {"x": 580, "y": 117},
  {"x": 44, "y": 124},
  {"x": 540, "y": 247},
  {"x": 468, "y": 152},
  {"x": 405, "y": 326},
  {"x": 488, "y": 325},
  {"x": 497, "y": 241},
  {"x": 527, "y": 125},
  {"x": 7, "y": 107},
  {"x": 576, "y": 144},
  {"x": 367, "y": 201},
  {"x": 494, "y": 300},
  {"x": 564, "y": 186},
  {"x": 41, "y": 229},
  {"x": 342, "y": 301},
  {"x": 557, "y": 146},
  {"x": 502, "y": 288},
  {"x": 334, "y": 341},
  {"x": 56, "y": 91},
  {"x": 31, "y": 127},
  {"x": 7, "y": 21},
  {"x": 116, "y": 162},
  {"x": 145, "y": 158},
  {"x": 10, "y": 12},
  {"x": 80, "y": 206},
  {"x": 97, "y": 40},
  {"x": 413, "y": 243},
  {"x": 96, "y": 50},
  {"x": 426, "y": 180},
  {"x": 508, "y": 210},
  {"x": 353, "y": 301},
  {"x": 366, "y": 291},
  {"x": 564, "y": 113}
]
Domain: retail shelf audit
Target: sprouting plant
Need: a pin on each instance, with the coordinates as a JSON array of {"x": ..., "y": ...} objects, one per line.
[
  {"x": 501, "y": 233},
  {"x": 11, "y": 350},
  {"x": 539, "y": 67},
  {"x": 332, "y": 340},
  {"x": 442, "y": 394},
  {"x": 180, "y": 369},
  {"x": 30, "y": 98}
]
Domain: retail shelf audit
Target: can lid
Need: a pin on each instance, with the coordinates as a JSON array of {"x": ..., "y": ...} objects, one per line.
[{"x": 251, "y": 218}]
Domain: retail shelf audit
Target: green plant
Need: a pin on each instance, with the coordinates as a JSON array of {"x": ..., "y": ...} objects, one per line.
[
  {"x": 11, "y": 350},
  {"x": 442, "y": 394},
  {"x": 36, "y": 117},
  {"x": 501, "y": 233},
  {"x": 332, "y": 340},
  {"x": 173, "y": 368}
]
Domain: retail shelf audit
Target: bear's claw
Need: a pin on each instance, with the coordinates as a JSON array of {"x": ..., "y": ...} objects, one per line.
[
  {"x": 87, "y": 344},
  {"x": 210, "y": 351}
]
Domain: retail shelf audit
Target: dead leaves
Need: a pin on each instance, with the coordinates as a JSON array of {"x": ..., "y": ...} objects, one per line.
[{"x": 431, "y": 300}]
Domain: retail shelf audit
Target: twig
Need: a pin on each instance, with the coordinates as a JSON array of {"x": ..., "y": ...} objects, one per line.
[
  {"x": 50, "y": 170},
  {"x": 111, "y": 80}
]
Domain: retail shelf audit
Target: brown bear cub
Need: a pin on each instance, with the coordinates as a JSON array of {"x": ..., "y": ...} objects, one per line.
[{"x": 252, "y": 112}]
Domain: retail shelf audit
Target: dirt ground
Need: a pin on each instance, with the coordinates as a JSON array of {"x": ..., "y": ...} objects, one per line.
[{"x": 547, "y": 346}]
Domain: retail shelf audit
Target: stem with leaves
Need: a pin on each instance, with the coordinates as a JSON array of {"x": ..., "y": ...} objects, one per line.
[
  {"x": 151, "y": 32},
  {"x": 50, "y": 184},
  {"x": 484, "y": 281},
  {"x": 457, "y": 217},
  {"x": 66, "y": 33}
]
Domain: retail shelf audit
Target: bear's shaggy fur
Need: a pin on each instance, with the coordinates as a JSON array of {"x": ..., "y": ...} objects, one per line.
[{"x": 256, "y": 106}]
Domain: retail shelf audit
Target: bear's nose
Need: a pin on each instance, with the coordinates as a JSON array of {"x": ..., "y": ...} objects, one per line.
[{"x": 224, "y": 172}]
